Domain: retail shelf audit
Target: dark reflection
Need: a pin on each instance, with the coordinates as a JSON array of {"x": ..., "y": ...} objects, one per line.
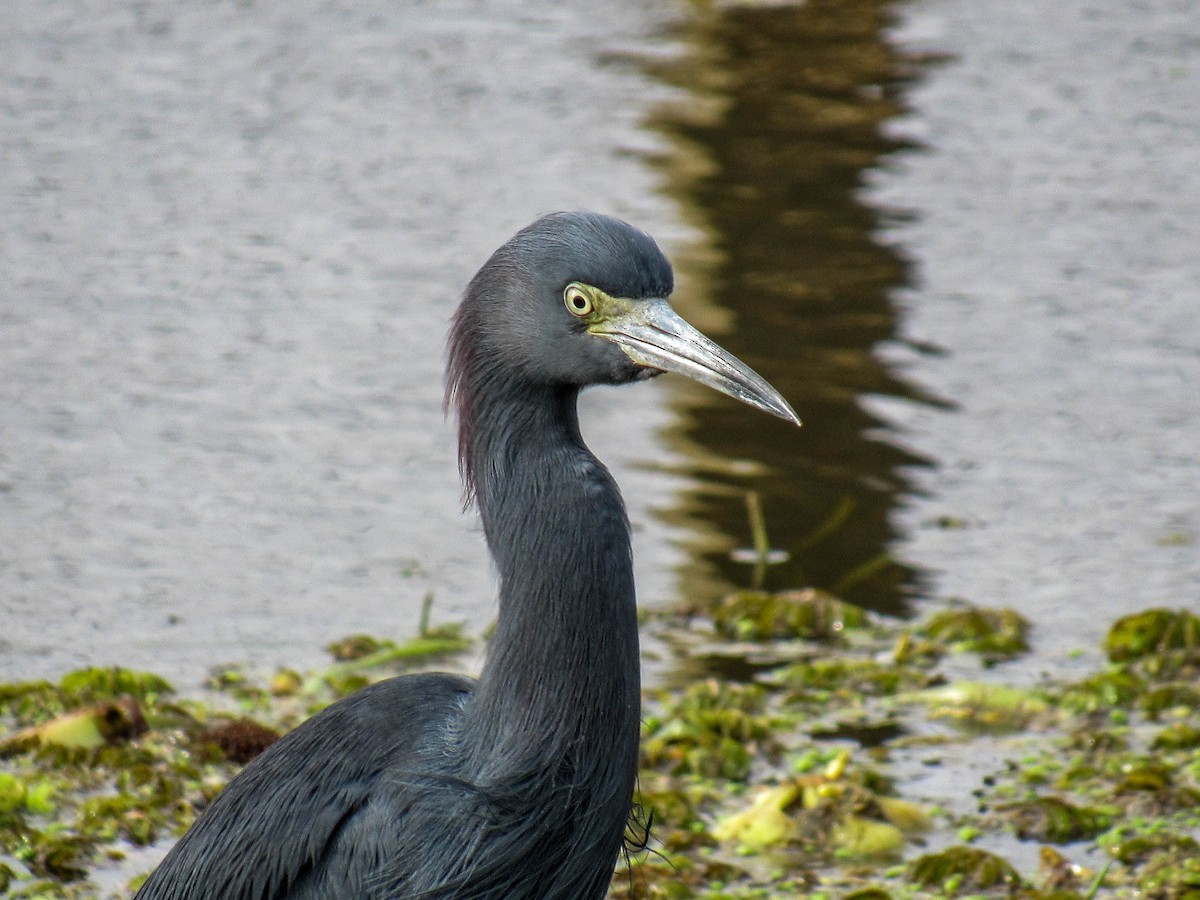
[
  {"x": 865, "y": 734},
  {"x": 784, "y": 118}
]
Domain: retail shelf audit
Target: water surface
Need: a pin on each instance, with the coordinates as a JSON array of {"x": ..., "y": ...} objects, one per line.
[
  {"x": 233, "y": 236},
  {"x": 1053, "y": 229},
  {"x": 961, "y": 240},
  {"x": 784, "y": 116}
]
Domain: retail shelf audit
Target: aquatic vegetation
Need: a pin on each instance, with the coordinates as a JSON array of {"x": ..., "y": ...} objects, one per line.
[
  {"x": 810, "y": 614},
  {"x": 1054, "y": 820},
  {"x": 240, "y": 740},
  {"x": 959, "y": 870},
  {"x": 1116, "y": 688},
  {"x": 713, "y": 729},
  {"x": 832, "y": 678},
  {"x": 764, "y": 823},
  {"x": 80, "y": 781},
  {"x": 793, "y": 781},
  {"x": 1177, "y": 736},
  {"x": 1171, "y": 696},
  {"x": 83, "y": 729},
  {"x": 106, "y": 760},
  {"x": 995, "y": 634},
  {"x": 831, "y": 811},
  {"x": 984, "y": 705},
  {"x": 1152, "y": 633}
]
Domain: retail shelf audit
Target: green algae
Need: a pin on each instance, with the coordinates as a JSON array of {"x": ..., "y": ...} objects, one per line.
[
  {"x": 963, "y": 870},
  {"x": 1115, "y": 688},
  {"x": 70, "y": 807},
  {"x": 1054, "y": 820},
  {"x": 985, "y": 706},
  {"x": 1177, "y": 736},
  {"x": 713, "y": 729},
  {"x": 809, "y": 614},
  {"x": 752, "y": 788},
  {"x": 841, "y": 678},
  {"x": 1087, "y": 780},
  {"x": 995, "y": 634},
  {"x": 1164, "y": 634}
]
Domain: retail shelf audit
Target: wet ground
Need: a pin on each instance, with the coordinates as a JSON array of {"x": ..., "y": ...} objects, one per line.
[{"x": 961, "y": 240}]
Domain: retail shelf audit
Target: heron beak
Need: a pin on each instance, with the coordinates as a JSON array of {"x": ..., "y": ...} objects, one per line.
[{"x": 653, "y": 335}]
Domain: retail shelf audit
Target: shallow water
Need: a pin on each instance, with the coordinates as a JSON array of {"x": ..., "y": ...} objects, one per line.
[
  {"x": 784, "y": 116},
  {"x": 962, "y": 242},
  {"x": 233, "y": 236},
  {"x": 1053, "y": 230}
]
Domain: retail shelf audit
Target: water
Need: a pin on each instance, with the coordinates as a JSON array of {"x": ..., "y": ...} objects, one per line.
[
  {"x": 963, "y": 241},
  {"x": 233, "y": 236},
  {"x": 960, "y": 240},
  {"x": 784, "y": 116},
  {"x": 1053, "y": 234}
]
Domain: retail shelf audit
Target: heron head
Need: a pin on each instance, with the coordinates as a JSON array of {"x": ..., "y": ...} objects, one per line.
[{"x": 581, "y": 298}]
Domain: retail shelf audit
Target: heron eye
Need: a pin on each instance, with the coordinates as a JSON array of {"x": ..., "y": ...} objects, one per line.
[{"x": 578, "y": 302}]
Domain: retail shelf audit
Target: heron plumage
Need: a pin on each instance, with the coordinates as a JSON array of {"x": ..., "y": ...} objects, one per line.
[{"x": 517, "y": 786}]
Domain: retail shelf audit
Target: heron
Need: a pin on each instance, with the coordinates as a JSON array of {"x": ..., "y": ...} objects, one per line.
[{"x": 517, "y": 785}]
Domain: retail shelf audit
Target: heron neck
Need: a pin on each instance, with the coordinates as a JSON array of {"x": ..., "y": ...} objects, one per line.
[{"x": 562, "y": 673}]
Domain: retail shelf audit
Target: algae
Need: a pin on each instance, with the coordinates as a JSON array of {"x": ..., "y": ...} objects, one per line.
[{"x": 797, "y": 780}]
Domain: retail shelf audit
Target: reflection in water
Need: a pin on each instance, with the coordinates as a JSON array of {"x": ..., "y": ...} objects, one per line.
[{"x": 792, "y": 99}]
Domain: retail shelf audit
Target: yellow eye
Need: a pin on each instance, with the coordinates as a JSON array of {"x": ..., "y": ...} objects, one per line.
[{"x": 579, "y": 303}]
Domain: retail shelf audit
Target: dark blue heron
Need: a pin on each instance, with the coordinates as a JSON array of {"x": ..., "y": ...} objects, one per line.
[{"x": 520, "y": 784}]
